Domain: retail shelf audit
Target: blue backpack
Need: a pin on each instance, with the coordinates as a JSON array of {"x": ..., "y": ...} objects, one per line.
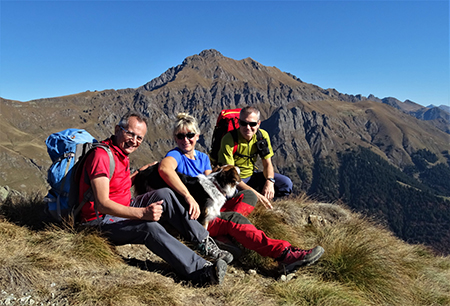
[{"x": 68, "y": 150}]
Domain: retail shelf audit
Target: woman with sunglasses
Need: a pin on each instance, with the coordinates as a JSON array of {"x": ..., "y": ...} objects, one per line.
[{"x": 185, "y": 159}]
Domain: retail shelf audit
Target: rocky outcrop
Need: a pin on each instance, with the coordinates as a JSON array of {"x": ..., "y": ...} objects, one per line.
[{"x": 6, "y": 192}]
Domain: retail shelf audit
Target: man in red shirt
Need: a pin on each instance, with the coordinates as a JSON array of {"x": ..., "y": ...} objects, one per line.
[{"x": 138, "y": 221}]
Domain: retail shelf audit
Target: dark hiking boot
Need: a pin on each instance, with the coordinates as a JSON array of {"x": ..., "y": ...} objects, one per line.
[
  {"x": 294, "y": 258},
  {"x": 212, "y": 274},
  {"x": 208, "y": 247}
]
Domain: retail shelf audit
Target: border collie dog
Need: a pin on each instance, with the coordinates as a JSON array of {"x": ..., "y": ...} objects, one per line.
[{"x": 210, "y": 191}]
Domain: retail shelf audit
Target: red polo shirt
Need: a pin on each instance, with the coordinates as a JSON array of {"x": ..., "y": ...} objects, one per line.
[{"x": 97, "y": 165}]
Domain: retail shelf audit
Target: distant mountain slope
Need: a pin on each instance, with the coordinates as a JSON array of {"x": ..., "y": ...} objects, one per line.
[
  {"x": 437, "y": 116},
  {"x": 310, "y": 127},
  {"x": 445, "y": 108}
]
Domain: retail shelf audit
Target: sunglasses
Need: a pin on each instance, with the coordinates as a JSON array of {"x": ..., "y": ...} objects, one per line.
[
  {"x": 189, "y": 135},
  {"x": 245, "y": 123}
]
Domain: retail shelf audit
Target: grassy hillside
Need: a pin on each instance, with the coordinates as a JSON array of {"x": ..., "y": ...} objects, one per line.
[{"x": 363, "y": 264}]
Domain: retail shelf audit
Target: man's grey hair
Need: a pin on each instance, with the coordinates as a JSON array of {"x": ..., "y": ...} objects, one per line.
[
  {"x": 250, "y": 110},
  {"x": 124, "y": 121}
]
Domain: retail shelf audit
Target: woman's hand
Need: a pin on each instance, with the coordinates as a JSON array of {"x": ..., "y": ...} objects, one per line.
[{"x": 194, "y": 208}]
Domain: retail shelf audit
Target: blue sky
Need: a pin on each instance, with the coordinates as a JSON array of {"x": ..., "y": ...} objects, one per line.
[{"x": 386, "y": 48}]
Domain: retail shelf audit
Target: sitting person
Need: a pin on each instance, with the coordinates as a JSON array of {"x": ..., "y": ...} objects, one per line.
[
  {"x": 266, "y": 184},
  {"x": 185, "y": 159},
  {"x": 137, "y": 221}
]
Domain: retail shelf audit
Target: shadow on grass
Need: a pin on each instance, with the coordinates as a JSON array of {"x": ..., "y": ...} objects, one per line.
[
  {"x": 28, "y": 211},
  {"x": 150, "y": 266}
]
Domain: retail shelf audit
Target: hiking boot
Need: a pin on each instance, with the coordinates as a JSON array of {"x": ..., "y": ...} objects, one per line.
[
  {"x": 212, "y": 274},
  {"x": 208, "y": 247},
  {"x": 295, "y": 258}
]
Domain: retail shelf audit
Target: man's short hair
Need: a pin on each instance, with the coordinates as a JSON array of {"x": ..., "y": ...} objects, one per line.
[
  {"x": 250, "y": 110},
  {"x": 124, "y": 121}
]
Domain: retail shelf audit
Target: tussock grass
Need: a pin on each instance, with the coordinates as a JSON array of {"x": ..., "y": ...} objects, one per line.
[
  {"x": 307, "y": 290},
  {"x": 361, "y": 255},
  {"x": 363, "y": 264},
  {"x": 92, "y": 292}
]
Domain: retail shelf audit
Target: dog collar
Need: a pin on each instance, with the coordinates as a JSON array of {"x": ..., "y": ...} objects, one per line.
[{"x": 219, "y": 188}]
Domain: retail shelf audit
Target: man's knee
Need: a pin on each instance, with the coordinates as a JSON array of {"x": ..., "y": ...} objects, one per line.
[
  {"x": 152, "y": 197},
  {"x": 132, "y": 231},
  {"x": 283, "y": 184},
  {"x": 163, "y": 193}
]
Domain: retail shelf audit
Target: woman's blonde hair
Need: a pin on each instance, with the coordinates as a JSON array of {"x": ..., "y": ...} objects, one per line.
[{"x": 185, "y": 121}]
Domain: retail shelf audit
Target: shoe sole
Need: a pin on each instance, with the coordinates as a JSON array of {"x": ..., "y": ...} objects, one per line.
[
  {"x": 302, "y": 263},
  {"x": 227, "y": 259},
  {"x": 221, "y": 270}
]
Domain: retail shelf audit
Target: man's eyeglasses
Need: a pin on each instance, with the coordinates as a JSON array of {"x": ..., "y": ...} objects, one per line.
[
  {"x": 132, "y": 135},
  {"x": 245, "y": 123},
  {"x": 189, "y": 135}
]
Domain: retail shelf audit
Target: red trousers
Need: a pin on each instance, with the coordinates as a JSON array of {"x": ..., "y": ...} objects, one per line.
[{"x": 233, "y": 222}]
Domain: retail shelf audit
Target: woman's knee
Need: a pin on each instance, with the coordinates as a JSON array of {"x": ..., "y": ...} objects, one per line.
[
  {"x": 249, "y": 198},
  {"x": 234, "y": 217}
]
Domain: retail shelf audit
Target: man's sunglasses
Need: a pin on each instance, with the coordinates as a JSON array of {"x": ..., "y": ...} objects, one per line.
[
  {"x": 189, "y": 135},
  {"x": 245, "y": 123}
]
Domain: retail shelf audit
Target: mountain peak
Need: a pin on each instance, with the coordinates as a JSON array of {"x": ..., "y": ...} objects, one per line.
[
  {"x": 211, "y": 66},
  {"x": 195, "y": 62},
  {"x": 210, "y": 53}
]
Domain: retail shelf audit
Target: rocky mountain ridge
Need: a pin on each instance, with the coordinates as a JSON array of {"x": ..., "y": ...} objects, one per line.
[
  {"x": 311, "y": 128},
  {"x": 304, "y": 120}
]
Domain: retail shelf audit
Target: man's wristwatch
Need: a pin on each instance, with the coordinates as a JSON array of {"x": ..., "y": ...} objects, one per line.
[{"x": 271, "y": 179}]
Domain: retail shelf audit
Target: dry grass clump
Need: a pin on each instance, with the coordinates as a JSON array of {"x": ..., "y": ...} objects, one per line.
[
  {"x": 433, "y": 286},
  {"x": 27, "y": 258},
  {"x": 360, "y": 255},
  {"x": 16, "y": 257},
  {"x": 363, "y": 264},
  {"x": 94, "y": 292},
  {"x": 308, "y": 290}
]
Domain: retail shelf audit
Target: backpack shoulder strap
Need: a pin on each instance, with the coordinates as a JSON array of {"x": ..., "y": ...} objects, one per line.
[
  {"x": 112, "y": 163},
  {"x": 234, "y": 133},
  {"x": 259, "y": 135},
  {"x": 88, "y": 195},
  {"x": 261, "y": 144}
]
